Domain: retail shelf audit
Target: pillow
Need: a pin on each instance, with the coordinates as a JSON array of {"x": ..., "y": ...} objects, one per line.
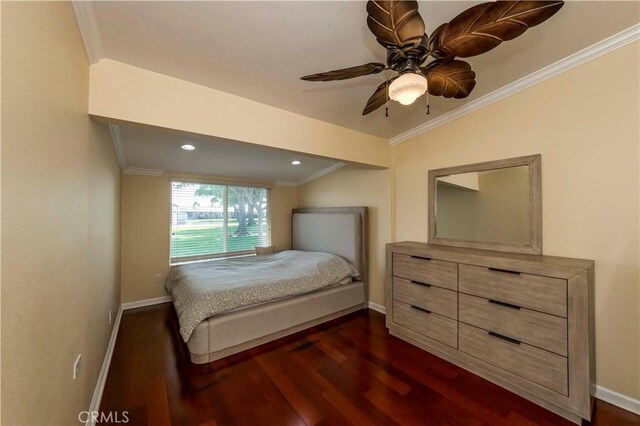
[{"x": 264, "y": 250}]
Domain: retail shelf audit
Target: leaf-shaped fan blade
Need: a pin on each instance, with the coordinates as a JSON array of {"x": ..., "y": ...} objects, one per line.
[
  {"x": 483, "y": 27},
  {"x": 345, "y": 73},
  {"x": 453, "y": 79},
  {"x": 395, "y": 22},
  {"x": 378, "y": 98}
]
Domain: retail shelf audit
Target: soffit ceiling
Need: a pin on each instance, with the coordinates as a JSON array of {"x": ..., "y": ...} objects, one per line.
[
  {"x": 259, "y": 50},
  {"x": 159, "y": 149}
]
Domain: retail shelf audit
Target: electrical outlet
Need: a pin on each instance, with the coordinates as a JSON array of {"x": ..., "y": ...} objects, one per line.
[
  {"x": 158, "y": 278},
  {"x": 110, "y": 316},
  {"x": 76, "y": 366}
]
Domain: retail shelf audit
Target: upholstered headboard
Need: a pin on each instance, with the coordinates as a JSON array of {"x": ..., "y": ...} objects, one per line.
[{"x": 339, "y": 230}]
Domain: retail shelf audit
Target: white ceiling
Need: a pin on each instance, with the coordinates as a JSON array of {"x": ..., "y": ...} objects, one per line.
[
  {"x": 157, "y": 150},
  {"x": 258, "y": 50}
]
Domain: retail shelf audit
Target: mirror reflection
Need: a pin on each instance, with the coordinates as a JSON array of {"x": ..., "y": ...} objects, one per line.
[{"x": 490, "y": 206}]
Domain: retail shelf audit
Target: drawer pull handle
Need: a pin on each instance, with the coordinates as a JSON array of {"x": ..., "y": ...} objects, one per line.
[
  {"x": 421, "y": 257},
  {"x": 508, "y": 305},
  {"x": 419, "y": 283},
  {"x": 508, "y": 339},
  {"x": 421, "y": 309},
  {"x": 506, "y": 271}
]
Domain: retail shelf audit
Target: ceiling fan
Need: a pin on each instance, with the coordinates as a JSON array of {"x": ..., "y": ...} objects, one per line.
[{"x": 399, "y": 28}]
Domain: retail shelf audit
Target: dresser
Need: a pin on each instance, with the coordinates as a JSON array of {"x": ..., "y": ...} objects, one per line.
[{"x": 524, "y": 322}]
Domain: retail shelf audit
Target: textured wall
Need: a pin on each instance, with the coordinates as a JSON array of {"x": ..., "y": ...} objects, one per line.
[{"x": 60, "y": 219}]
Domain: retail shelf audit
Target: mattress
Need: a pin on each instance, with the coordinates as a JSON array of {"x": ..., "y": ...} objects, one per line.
[{"x": 205, "y": 289}]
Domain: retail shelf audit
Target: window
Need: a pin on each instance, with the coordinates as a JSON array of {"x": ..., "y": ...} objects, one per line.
[{"x": 209, "y": 221}]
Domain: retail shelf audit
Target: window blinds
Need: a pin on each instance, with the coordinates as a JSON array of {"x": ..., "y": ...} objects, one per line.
[{"x": 211, "y": 220}]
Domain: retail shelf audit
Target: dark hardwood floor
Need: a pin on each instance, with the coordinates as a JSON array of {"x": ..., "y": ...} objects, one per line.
[{"x": 347, "y": 371}]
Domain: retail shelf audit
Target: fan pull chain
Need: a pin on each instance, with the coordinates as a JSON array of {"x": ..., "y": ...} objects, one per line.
[
  {"x": 428, "y": 106},
  {"x": 386, "y": 106}
]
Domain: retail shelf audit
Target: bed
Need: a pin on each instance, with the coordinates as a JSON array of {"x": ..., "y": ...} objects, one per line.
[{"x": 328, "y": 262}]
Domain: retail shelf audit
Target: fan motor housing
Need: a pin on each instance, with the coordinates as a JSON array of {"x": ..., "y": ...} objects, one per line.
[
  {"x": 397, "y": 57},
  {"x": 408, "y": 65}
]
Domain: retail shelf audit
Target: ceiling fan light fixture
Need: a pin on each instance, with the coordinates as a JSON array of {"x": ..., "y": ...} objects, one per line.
[
  {"x": 399, "y": 28},
  {"x": 407, "y": 88}
]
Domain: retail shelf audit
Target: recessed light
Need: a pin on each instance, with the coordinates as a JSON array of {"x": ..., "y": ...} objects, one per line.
[
  {"x": 188, "y": 147},
  {"x": 296, "y": 162}
]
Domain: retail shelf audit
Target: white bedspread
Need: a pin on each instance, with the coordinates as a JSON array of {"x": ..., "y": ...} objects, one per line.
[{"x": 201, "y": 290}]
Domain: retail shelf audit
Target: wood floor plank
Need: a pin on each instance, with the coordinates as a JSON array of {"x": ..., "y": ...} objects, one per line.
[
  {"x": 347, "y": 371},
  {"x": 290, "y": 391},
  {"x": 437, "y": 375},
  {"x": 340, "y": 390},
  {"x": 352, "y": 357},
  {"x": 311, "y": 387}
]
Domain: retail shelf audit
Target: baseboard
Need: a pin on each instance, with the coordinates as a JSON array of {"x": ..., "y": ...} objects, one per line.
[
  {"x": 615, "y": 398},
  {"x": 146, "y": 302},
  {"x": 104, "y": 371},
  {"x": 106, "y": 363},
  {"x": 377, "y": 308}
]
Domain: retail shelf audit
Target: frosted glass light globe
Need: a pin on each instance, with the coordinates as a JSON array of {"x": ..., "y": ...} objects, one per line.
[{"x": 407, "y": 88}]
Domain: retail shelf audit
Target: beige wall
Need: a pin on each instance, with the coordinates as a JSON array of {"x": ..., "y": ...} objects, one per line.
[
  {"x": 145, "y": 231},
  {"x": 145, "y": 236},
  {"x": 585, "y": 123},
  {"x": 283, "y": 200},
  {"x": 60, "y": 219},
  {"x": 353, "y": 186},
  {"x": 127, "y": 93}
]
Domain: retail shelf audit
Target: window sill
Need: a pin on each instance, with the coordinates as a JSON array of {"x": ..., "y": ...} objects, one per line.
[{"x": 210, "y": 259}]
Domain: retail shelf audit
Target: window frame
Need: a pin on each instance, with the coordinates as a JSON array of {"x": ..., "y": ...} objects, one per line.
[{"x": 175, "y": 261}]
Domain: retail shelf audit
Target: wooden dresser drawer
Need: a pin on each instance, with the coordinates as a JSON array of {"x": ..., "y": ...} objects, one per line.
[
  {"x": 425, "y": 270},
  {"x": 435, "y": 299},
  {"x": 535, "y": 292},
  {"x": 435, "y": 326},
  {"x": 537, "y": 365},
  {"x": 535, "y": 328}
]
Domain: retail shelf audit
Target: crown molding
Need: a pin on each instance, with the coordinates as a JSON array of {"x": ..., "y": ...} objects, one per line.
[
  {"x": 312, "y": 177},
  {"x": 592, "y": 52},
  {"x": 116, "y": 136},
  {"x": 88, "y": 24},
  {"x": 142, "y": 171},
  {"x": 285, "y": 183},
  {"x": 321, "y": 173}
]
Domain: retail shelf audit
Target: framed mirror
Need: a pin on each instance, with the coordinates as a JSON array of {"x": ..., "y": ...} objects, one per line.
[{"x": 495, "y": 205}]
